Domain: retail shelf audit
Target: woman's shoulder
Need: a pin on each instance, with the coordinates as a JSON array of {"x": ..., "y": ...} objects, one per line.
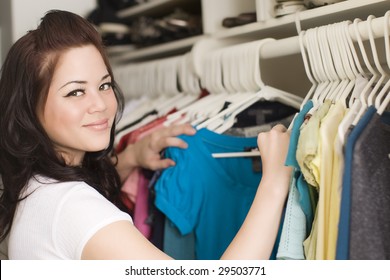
[
  {"x": 46, "y": 193},
  {"x": 57, "y": 212},
  {"x": 64, "y": 197},
  {"x": 41, "y": 184}
]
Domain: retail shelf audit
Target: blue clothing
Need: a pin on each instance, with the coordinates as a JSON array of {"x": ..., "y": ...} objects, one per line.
[
  {"x": 305, "y": 194},
  {"x": 299, "y": 213},
  {"x": 210, "y": 196},
  {"x": 177, "y": 246},
  {"x": 342, "y": 249}
]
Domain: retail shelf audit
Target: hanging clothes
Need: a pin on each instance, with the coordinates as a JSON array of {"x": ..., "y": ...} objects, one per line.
[
  {"x": 328, "y": 132},
  {"x": 210, "y": 197},
  {"x": 299, "y": 210},
  {"x": 136, "y": 184},
  {"x": 307, "y": 150},
  {"x": 370, "y": 191},
  {"x": 343, "y": 240}
]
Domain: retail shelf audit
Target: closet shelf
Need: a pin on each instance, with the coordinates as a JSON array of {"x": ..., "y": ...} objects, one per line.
[
  {"x": 161, "y": 50},
  {"x": 277, "y": 28},
  {"x": 286, "y": 26},
  {"x": 154, "y": 8}
]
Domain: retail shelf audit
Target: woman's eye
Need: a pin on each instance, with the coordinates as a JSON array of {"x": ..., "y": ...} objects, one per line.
[
  {"x": 105, "y": 86},
  {"x": 76, "y": 93}
]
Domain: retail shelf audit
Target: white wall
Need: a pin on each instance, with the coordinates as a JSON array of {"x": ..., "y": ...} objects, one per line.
[{"x": 19, "y": 16}]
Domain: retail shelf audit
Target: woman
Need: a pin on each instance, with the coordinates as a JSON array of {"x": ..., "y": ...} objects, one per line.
[{"x": 60, "y": 200}]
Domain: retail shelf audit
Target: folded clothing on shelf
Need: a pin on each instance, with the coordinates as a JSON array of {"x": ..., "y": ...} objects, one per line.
[
  {"x": 283, "y": 8},
  {"x": 146, "y": 31},
  {"x": 318, "y": 3},
  {"x": 241, "y": 19}
]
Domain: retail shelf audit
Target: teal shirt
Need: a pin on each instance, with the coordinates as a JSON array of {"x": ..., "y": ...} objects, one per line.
[{"x": 209, "y": 196}]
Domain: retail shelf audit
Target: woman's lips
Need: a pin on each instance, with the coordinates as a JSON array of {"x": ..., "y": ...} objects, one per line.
[{"x": 98, "y": 125}]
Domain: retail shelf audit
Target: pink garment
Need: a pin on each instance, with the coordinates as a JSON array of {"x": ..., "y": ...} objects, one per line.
[{"x": 136, "y": 184}]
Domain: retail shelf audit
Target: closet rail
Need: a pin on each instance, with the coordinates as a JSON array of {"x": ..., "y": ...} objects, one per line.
[
  {"x": 280, "y": 47},
  {"x": 290, "y": 46}
]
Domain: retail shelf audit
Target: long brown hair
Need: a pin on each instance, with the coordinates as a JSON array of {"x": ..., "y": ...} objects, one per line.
[{"x": 25, "y": 148}]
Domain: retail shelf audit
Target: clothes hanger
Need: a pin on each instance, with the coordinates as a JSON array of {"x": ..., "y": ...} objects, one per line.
[
  {"x": 270, "y": 95},
  {"x": 226, "y": 118},
  {"x": 181, "y": 84},
  {"x": 221, "y": 81},
  {"x": 307, "y": 69},
  {"x": 257, "y": 80},
  {"x": 361, "y": 81},
  {"x": 168, "y": 92},
  {"x": 241, "y": 87},
  {"x": 348, "y": 62},
  {"x": 187, "y": 114},
  {"x": 366, "y": 91},
  {"x": 342, "y": 62},
  {"x": 384, "y": 75},
  {"x": 362, "y": 74},
  {"x": 188, "y": 81},
  {"x": 316, "y": 65},
  {"x": 265, "y": 93},
  {"x": 384, "y": 104},
  {"x": 331, "y": 61},
  {"x": 385, "y": 88}
]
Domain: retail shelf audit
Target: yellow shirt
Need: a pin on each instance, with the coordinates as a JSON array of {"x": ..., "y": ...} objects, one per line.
[
  {"x": 328, "y": 132},
  {"x": 307, "y": 150},
  {"x": 308, "y": 144},
  {"x": 335, "y": 191}
]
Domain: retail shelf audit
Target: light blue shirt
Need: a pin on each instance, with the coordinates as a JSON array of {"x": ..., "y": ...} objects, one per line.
[{"x": 299, "y": 213}]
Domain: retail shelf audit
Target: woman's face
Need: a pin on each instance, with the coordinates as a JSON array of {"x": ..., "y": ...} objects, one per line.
[{"x": 81, "y": 104}]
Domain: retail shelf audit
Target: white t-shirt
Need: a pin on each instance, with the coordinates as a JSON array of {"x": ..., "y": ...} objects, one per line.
[{"x": 57, "y": 219}]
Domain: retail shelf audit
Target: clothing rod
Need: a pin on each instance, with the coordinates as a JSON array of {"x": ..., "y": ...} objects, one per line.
[{"x": 290, "y": 46}]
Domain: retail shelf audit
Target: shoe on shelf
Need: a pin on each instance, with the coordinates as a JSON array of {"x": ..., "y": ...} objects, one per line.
[
  {"x": 105, "y": 19},
  {"x": 121, "y": 4},
  {"x": 239, "y": 20},
  {"x": 318, "y": 3}
]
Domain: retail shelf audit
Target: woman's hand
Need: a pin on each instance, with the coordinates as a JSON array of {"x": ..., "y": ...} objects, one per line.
[
  {"x": 146, "y": 152},
  {"x": 148, "y": 149},
  {"x": 273, "y": 147}
]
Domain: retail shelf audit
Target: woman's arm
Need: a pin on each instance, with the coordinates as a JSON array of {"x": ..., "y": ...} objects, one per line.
[
  {"x": 121, "y": 241},
  {"x": 256, "y": 237}
]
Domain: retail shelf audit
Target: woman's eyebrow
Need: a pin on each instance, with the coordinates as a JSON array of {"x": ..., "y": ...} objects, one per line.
[
  {"x": 82, "y": 82},
  {"x": 73, "y": 82}
]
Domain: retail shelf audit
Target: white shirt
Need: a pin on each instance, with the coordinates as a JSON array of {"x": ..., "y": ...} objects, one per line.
[{"x": 56, "y": 220}]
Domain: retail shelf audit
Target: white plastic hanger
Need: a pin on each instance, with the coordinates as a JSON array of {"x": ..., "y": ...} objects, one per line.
[
  {"x": 366, "y": 91},
  {"x": 362, "y": 83},
  {"x": 385, "y": 89},
  {"x": 189, "y": 82},
  {"x": 331, "y": 58},
  {"x": 308, "y": 70},
  {"x": 314, "y": 54},
  {"x": 348, "y": 62},
  {"x": 265, "y": 93},
  {"x": 225, "y": 119},
  {"x": 187, "y": 114},
  {"x": 254, "y": 49},
  {"x": 346, "y": 74},
  {"x": 384, "y": 75},
  {"x": 355, "y": 62}
]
